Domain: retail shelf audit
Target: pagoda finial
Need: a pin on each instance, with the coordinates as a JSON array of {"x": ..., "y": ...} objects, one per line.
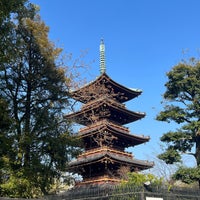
[{"x": 102, "y": 57}]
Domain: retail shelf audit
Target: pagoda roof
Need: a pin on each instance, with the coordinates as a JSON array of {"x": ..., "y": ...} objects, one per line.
[
  {"x": 111, "y": 110},
  {"x": 85, "y": 93},
  {"x": 119, "y": 131},
  {"x": 110, "y": 157}
]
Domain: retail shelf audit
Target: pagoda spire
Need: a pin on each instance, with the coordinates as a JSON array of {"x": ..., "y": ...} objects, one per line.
[{"x": 102, "y": 57}]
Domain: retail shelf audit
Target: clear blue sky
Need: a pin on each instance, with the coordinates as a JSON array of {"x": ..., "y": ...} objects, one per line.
[{"x": 144, "y": 39}]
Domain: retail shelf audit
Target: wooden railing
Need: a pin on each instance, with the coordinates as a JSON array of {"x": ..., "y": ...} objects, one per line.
[
  {"x": 105, "y": 149},
  {"x": 107, "y": 99},
  {"x": 99, "y": 179},
  {"x": 102, "y": 122}
]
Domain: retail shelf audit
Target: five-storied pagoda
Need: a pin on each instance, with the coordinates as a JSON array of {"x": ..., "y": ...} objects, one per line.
[{"x": 104, "y": 135}]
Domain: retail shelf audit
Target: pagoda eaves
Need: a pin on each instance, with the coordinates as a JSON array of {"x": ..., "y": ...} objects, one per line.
[
  {"x": 86, "y": 93},
  {"x": 108, "y": 157},
  {"x": 122, "y": 133},
  {"x": 109, "y": 110}
]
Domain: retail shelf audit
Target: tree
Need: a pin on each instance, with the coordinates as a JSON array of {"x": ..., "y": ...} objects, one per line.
[
  {"x": 7, "y": 8},
  {"x": 161, "y": 169},
  {"x": 139, "y": 179},
  {"x": 182, "y": 98},
  {"x": 36, "y": 90},
  {"x": 187, "y": 175},
  {"x": 4, "y": 116},
  {"x": 5, "y": 141}
]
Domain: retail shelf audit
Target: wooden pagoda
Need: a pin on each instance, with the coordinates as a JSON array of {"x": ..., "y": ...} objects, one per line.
[{"x": 104, "y": 136}]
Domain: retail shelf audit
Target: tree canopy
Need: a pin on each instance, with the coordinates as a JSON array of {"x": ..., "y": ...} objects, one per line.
[
  {"x": 182, "y": 106},
  {"x": 139, "y": 180},
  {"x": 33, "y": 96}
]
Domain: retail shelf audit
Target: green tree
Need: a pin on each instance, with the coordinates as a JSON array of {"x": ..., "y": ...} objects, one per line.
[
  {"x": 139, "y": 179},
  {"x": 36, "y": 90},
  {"x": 182, "y": 98},
  {"x": 187, "y": 175},
  {"x": 4, "y": 116},
  {"x": 6, "y": 9},
  {"x": 5, "y": 140},
  {"x": 9, "y": 7},
  {"x": 135, "y": 183}
]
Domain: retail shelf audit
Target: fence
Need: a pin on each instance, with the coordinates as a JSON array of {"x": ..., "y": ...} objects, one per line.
[
  {"x": 124, "y": 193},
  {"x": 131, "y": 193}
]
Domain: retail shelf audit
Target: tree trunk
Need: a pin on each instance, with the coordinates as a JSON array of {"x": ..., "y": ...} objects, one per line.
[
  {"x": 197, "y": 153},
  {"x": 27, "y": 127}
]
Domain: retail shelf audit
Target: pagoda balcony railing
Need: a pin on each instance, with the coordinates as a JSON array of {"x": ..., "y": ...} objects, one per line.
[
  {"x": 105, "y": 149},
  {"x": 99, "y": 179},
  {"x": 102, "y": 122},
  {"x": 107, "y": 98}
]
